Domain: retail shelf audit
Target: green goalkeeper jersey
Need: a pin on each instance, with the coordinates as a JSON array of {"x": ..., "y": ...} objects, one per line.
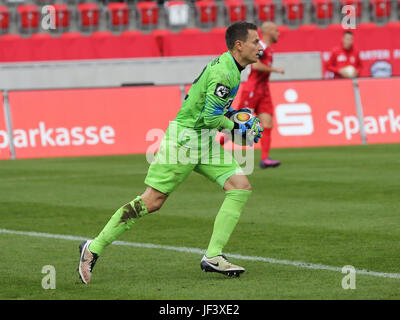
[{"x": 210, "y": 95}]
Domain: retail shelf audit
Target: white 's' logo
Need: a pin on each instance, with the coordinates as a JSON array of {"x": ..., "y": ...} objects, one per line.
[{"x": 294, "y": 119}]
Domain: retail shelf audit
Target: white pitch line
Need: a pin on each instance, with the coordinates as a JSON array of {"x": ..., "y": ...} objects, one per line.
[{"x": 299, "y": 264}]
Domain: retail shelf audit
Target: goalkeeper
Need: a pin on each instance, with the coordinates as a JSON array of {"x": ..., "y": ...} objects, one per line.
[{"x": 206, "y": 107}]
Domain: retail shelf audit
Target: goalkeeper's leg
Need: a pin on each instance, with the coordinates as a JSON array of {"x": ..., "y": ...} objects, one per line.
[
  {"x": 237, "y": 190},
  {"x": 123, "y": 219}
]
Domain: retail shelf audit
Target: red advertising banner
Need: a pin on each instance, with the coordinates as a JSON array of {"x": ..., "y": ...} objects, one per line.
[
  {"x": 381, "y": 109},
  {"x": 80, "y": 122},
  {"x": 313, "y": 113},
  {"x": 84, "y": 122},
  {"x": 4, "y": 146}
]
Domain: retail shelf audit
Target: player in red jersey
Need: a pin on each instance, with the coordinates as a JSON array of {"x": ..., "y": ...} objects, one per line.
[
  {"x": 256, "y": 94},
  {"x": 344, "y": 56}
]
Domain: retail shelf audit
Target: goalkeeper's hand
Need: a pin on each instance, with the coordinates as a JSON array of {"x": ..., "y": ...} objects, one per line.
[
  {"x": 253, "y": 124},
  {"x": 232, "y": 111}
]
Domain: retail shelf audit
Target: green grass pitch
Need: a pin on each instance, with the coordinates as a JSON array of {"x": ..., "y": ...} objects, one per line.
[{"x": 333, "y": 206}]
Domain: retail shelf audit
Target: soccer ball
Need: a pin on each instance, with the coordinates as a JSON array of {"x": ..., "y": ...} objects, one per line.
[
  {"x": 350, "y": 72},
  {"x": 242, "y": 117}
]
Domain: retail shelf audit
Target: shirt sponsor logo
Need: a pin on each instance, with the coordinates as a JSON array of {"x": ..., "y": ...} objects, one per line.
[{"x": 222, "y": 91}]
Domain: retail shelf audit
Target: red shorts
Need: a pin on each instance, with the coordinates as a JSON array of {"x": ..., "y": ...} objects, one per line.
[{"x": 258, "y": 102}]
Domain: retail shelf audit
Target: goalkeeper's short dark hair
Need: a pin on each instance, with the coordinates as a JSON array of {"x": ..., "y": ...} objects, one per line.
[{"x": 238, "y": 31}]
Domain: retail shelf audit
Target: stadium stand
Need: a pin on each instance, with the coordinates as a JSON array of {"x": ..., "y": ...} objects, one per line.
[
  {"x": 147, "y": 14},
  {"x": 4, "y": 19},
  {"x": 28, "y": 18},
  {"x": 206, "y": 13},
  {"x": 322, "y": 11},
  {"x": 117, "y": 15},
  {"x": 62, "y": 17},
  {"x": 293, "y": 11},
  {"x": 235, "y": 10},
  {"x": 379, "y": 9},
  {"x": 88, "y": 14},
  {"x": 264, "y": 10}
]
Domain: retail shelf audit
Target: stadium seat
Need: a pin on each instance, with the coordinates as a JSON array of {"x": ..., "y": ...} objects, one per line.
[
  {"x": 235, "y": 10},
  {"x": 4, "y": 19},
  {"x": 264, "y": 10},
  {"x": 28, "y": 18},
  {"x": 379, "y": 10},
  {"x": 292, "y": 11},
  {"x": 206, "y": 12},
  {"x": 117, "y": 15},
  {"x": 147, "y": 14},
  {"x": 62, "y": 16},
  {"x": 356, "y": 3},
  {"x": 177, "y": 13},
  {"x": 322, "y": 11},
  {"x": 88, "y": 16}
]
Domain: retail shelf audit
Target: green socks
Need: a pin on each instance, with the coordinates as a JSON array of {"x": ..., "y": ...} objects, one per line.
[
  {"x": 226, "y": 220},
  {"x": 122, "y": 220}
]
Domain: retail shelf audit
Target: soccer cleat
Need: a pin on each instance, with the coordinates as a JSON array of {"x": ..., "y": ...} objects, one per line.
[
  {"x": 220, "y": 264},
  {"x": 268, "y": 163},
  {"x": 87, "y": 261}
]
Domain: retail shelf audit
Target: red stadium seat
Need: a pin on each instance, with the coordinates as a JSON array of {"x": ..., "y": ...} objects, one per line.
[
  {"x": 4, "y": 19},
  {"x": 147, "y": 14},
  {"x": 293, "y": 11},
  {"x": 264, "y": 10},
  {"x": 356, "y": 3},
  {"x": 206, "y": 12},
  {"x": 88, "y": 16},
  {"x": 322, "y": 10},
  {"x": 28, "y": 18},
  {"x": 235, "y": 10},
  {"x": 158, "y": 34},
  {"x": 117, "y": 15},
  {"x": 62, "y": 16},
  {"x": 379, "y": 9}
]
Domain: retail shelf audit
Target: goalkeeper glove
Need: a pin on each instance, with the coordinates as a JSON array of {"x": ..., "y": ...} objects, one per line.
[{"x": 255, "y": 129}]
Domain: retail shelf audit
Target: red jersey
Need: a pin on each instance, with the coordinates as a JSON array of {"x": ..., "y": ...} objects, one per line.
[
  {"x": 341, "y": 58},
  {"x": 258, "y": 81}
]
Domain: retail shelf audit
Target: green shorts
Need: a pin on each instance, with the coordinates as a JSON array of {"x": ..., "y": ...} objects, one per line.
[{"x": 184, "y": 150}]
